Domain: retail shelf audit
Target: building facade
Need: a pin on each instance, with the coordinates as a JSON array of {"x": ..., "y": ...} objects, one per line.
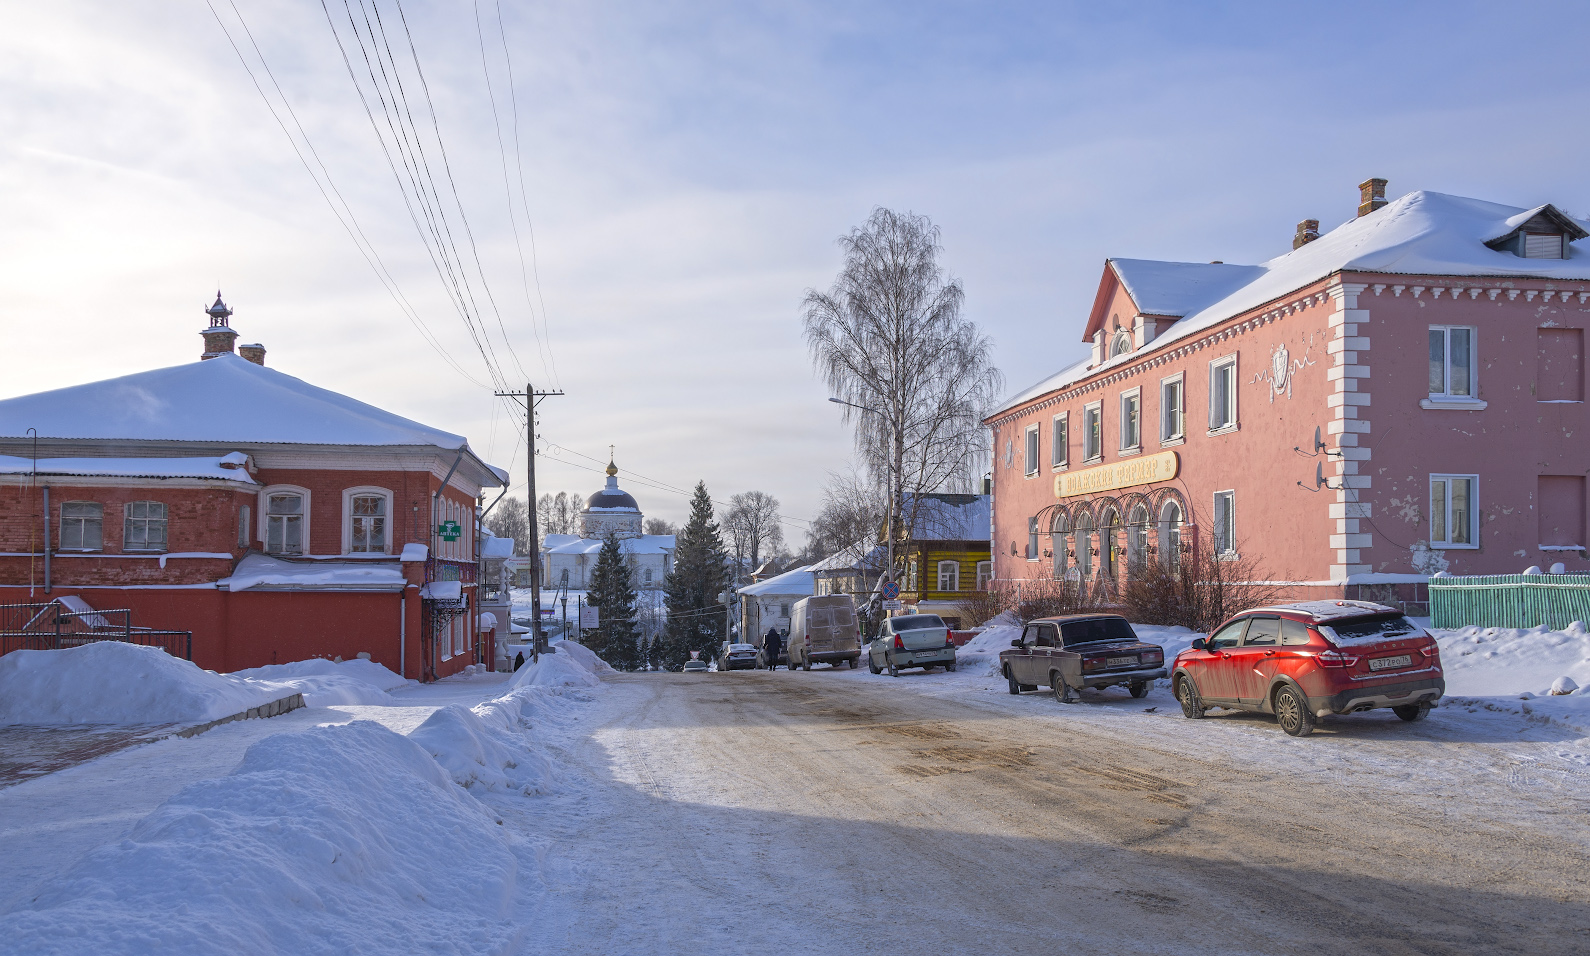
[
  {"x": 570, "y": 559},
  {"x": 275, "y": 520},
  {"x": 947, "y": 556},
  {"x": 1393, "y": 399}
]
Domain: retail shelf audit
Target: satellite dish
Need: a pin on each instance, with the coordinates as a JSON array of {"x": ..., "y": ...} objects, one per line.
[
  {"x": 1318, "y": 445},
  {"x": 1319, "y": 474}
]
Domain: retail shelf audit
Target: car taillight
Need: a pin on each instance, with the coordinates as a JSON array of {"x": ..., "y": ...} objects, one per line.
[
  {"x": 1336, "y": 659},
  {"x": 1432, "y": 651},
  {"x": 1153, "y": 657},
  {"x": 899, "y": 645},
  {"x": 1092, "y": 664}
]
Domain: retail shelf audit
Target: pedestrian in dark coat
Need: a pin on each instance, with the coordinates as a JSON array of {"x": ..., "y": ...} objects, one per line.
[{"x": 771, "y": 645}]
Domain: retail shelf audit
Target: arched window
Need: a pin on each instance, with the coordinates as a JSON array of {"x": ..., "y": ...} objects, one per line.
[
  {"x": 284, "y": 519},
  {"x": 1136, "y": 539},
  {"x": 366, "y": 517},
  {"x": 1084, "y": 542},
  {"x": 949, "y": 576},
  {"x": 1121, "y": 344},
  {"x": 1108, "y": 541},
  {"x": 1170, "y": 521},
  {"x": 1058, "y": 543},
  {"x": 645, "y": 577}
]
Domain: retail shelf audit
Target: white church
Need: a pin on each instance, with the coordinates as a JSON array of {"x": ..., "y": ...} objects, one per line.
[{"x": 570, "y": 559}]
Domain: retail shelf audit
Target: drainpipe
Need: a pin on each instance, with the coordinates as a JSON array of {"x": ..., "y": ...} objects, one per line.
[
  {"x": 403, "y": 630},
  {"x": 46, "y": 539},
  {"x": 430, "y": 565}
]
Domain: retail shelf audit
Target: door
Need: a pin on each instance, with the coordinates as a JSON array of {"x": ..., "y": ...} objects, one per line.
[
  {"x": 1253, "y": 662},
  {"x": 820, "y": 625},
  {"x": 1213, "y": 675},
  {"x": 1048, "y": 638},
  {"x": 1021, "y": 658}
]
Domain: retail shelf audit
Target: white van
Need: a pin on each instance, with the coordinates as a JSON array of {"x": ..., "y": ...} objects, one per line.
[{"x": 823, "y": 630}]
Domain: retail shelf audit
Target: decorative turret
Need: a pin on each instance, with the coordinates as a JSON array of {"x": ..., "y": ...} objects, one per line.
[{"x": 219, "y": 337}]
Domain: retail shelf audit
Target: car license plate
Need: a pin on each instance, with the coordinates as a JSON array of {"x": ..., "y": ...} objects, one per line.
[
  {"x": 1119, "y": 661},
  {"x": 1386, "y": 663}
]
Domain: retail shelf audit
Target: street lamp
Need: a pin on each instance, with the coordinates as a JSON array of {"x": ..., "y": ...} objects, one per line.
[{"x": 889, "y": 533}]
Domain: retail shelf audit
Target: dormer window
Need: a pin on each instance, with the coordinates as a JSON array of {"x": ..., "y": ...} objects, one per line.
[
  {"x": 1541, "y": 233},
  {"x": 1121, "y": 345}
]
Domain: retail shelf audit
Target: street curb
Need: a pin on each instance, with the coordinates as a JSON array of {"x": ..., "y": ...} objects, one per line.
[{"x": 273, "y": 709}]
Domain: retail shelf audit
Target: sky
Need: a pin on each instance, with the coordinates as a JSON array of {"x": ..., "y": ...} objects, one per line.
[{"x": 686, "y": 169}]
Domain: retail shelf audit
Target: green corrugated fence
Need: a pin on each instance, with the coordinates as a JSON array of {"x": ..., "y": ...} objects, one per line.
[{"x": 1510, "y": 600}]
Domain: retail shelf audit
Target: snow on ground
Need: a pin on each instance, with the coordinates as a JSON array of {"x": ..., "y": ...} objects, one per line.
[
  {"x": 1512, "y": 670},
  {"x": 109, "y": 682},
  {"x": 324, "y": 683},
  {"x": 336, "y": 838}
]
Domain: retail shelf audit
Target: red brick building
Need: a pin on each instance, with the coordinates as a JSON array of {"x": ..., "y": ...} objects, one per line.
[{"x": 275, "y": 520}]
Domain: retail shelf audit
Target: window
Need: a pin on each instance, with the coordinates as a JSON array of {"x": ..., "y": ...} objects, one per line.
[
  {"x": 284, "y": 523},
  {"x": 1084, "y": 540},
  {"x": 1057, "y": 542},
  {"x": 910, "y": 575},
  {"x": 1293, "y": 633},
  {"x": 1059, "y": 441},
  {"x": 243, "y": 516},
  {"x": 1543, "y": 246},
  {"x": 1045, "y": 636},
  {"x": 1452, "y": 511},
  {"x": 1170, "y": 520},
  {"x": 1223, "y": 393},
  {"x": 783, "y": 610},
  {"x": 1092, "y": 432},
  {"x": 367, "y": 524},
  {"x": 1451, "y": 362},
  {"x": 1109, "y": 542},
  {"x": 949, "y": 575},
  {"x": 1123, "y": 343},
  {"x": 1230, "y": 635},
  {"x": 1225, "y": 522},
  {"x": 1263, "y": 632},
  {"x": 1172, "y": 409},
  {"x": 645, "y": 577},
  {"x": 145, "y": 526},
  {"x": 1032, "y": 450},
  {"x": 1131, "y": 419},
  {"x": 985, "y": 574},
  {"x": 82, "y": 526},
  {"x": 1136, "y": 540},
  {"x": 1032, "y": 538}
]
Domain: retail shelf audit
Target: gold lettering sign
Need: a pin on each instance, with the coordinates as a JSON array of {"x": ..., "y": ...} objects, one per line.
[{"x": 1122, "y": 474}]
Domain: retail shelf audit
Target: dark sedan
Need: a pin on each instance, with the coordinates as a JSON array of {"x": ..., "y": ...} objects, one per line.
[{"x": 1075, "y": 651}]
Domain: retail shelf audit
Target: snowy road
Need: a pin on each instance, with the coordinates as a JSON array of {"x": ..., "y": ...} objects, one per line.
[{"x": 839, "y": 812}]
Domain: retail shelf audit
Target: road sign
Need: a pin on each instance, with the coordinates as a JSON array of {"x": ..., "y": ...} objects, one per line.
[
  {"x": 450, "y": 530},
  {"x": 590, "y": 617},
  {"x": 892, "y": 605},
  {"x": 890, "y": 590}
]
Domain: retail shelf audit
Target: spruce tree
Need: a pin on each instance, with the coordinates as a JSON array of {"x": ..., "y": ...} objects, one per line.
[
  {"x": 613, "y": 596},
  {"x": 700, "y": 573}
]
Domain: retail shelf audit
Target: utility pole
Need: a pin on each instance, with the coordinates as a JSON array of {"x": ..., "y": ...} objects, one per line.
[{"x": 530, "y": 399}]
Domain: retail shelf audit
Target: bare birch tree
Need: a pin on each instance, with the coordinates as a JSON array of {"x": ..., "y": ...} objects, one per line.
[
  {"x": 916, "y": 376},
  {"x": 752, "y": 526},
  {"x": 510, "y": 519}
]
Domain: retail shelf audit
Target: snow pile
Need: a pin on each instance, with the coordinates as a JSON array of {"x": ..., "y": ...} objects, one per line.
[
  {"x": 1533, "y": 671},
  {"x": 555, "y": 670},
  {"x": 980, "y": 655},
  {"x": 337, "y": 840},
  {"x": 584, "y": 656},
  {"x": 328, "y": 683},
  {"x": 110, "y": 682}
]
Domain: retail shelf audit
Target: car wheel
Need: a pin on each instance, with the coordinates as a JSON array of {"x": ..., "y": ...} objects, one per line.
[
  {"x": 1015, "y": 688},
  {"x": 1192, "y": 705},
  {"x": 806, "y": 665},
  {"x": 1062, "y": 693},
  {"x": 1139, "y": 689},
  {"x": 1413, "y": 711},
  {"x": 893, "y": 670},
  {"x": 852, "y": 663},
  {"x": 950, "y": 667},
  {"x": 873, "y": 667},
  {"x": 1292, "y": 713}
]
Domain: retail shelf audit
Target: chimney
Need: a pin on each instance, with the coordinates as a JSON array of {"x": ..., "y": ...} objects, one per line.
[
  {"x": 219, "y": 337},
  {"x": 1371, "y": 196},
  {"x": 1307, "y": 232},
  {"x": 254, "y": 353}
]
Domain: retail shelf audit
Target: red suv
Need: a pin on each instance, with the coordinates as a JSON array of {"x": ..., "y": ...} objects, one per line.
[{"x": 1303, "y": 661}]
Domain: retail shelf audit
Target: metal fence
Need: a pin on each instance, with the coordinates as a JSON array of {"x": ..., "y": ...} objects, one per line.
[
  {"x": 1510, "y": 600},
  {"x": 49, "y": 626}
]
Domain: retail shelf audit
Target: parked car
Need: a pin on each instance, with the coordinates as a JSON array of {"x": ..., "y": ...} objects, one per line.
[
  {"x": 695, "y": 667},
  {"x": 1074, "y": 651},
  {"x": 823, "y": 630},
  {"x": 912, "y": 640},
  {"x": 1302, "y": 662},
  {"x": 733, "y": 657}
]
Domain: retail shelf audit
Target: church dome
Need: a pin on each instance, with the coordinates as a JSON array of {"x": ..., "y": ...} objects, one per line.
[
  {"x": 611, "y": 510},
  {"x": 610, "y": 499}
]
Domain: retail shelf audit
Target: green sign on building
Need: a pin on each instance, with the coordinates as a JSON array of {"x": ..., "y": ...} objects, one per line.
[{"x": 450, "y": 530}]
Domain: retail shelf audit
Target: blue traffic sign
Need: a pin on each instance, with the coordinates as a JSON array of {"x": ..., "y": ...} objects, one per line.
[{"x": 890, "y": 590}]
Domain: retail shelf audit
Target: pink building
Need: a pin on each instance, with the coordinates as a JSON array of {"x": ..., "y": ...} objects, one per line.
[{"x": 1435, "y": 344}]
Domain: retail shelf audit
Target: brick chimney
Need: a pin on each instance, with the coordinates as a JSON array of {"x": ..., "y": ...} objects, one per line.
[
  {"x": 254, "y": 353},
  {"x": 1307, "y": 232},
  {"x": 219, "y": 337},
  {"x": 1371, "y": 196}
]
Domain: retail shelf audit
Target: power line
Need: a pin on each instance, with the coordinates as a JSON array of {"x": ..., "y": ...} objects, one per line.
[{"x": 654, "y": 483}]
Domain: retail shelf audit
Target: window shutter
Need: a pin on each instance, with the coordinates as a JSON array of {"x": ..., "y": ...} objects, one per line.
[{"x": 1543, "y": 247}]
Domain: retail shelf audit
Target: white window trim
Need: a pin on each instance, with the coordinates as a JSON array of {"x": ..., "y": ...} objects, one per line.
[
  {"x": 126, "y": 517},
  {"x": 985, "y": 574},
  {"x": 1034, "y": 540},
  {"x": 1474, "y": 513},
  {"x": 1236, "y": 412},
  {"x": 1230, "y": 552},
  {"x": 1031, "y": 450},
  {"x": 955, "y": 573},
  {"x": 1130, "y": 393},
  {"x": 61, "y": 518},
  {"x": 348, "y": 495},
  {"x": 264, "y": 506},
  {"x": 1092, "y": 407},
  {"x": 1446, "y": 399},
  {"x": 1179, "y": 379},
  {"x": 1060, "y": 452}
]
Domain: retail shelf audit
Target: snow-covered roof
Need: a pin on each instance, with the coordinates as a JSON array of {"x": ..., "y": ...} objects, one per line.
[
  {"x": 641, "y": 544},
  {"x": 853, "y": 557},
  {"x": 951, "y": 517},
  {"x": 1423, "y": 233},
  {"x": 215, "y": 468},
  {"x": 495, "y": 547},
  {"x": 1177, "y": 288},
  {"x": 799, "y": 581},
  {"x": 277, "y": 574},
  {"x": 226, "y": 399}
]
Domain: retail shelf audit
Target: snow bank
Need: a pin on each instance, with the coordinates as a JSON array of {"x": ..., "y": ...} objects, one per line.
[
  {"x": 555, "y": 670},
  {"x": 1488, "y": 661},
  {"x": 584, "y": 656},
  {"x": 337, "y": 840},
  {"x": 110, "y": 682},
  {"x": 327, "y": 683}
]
